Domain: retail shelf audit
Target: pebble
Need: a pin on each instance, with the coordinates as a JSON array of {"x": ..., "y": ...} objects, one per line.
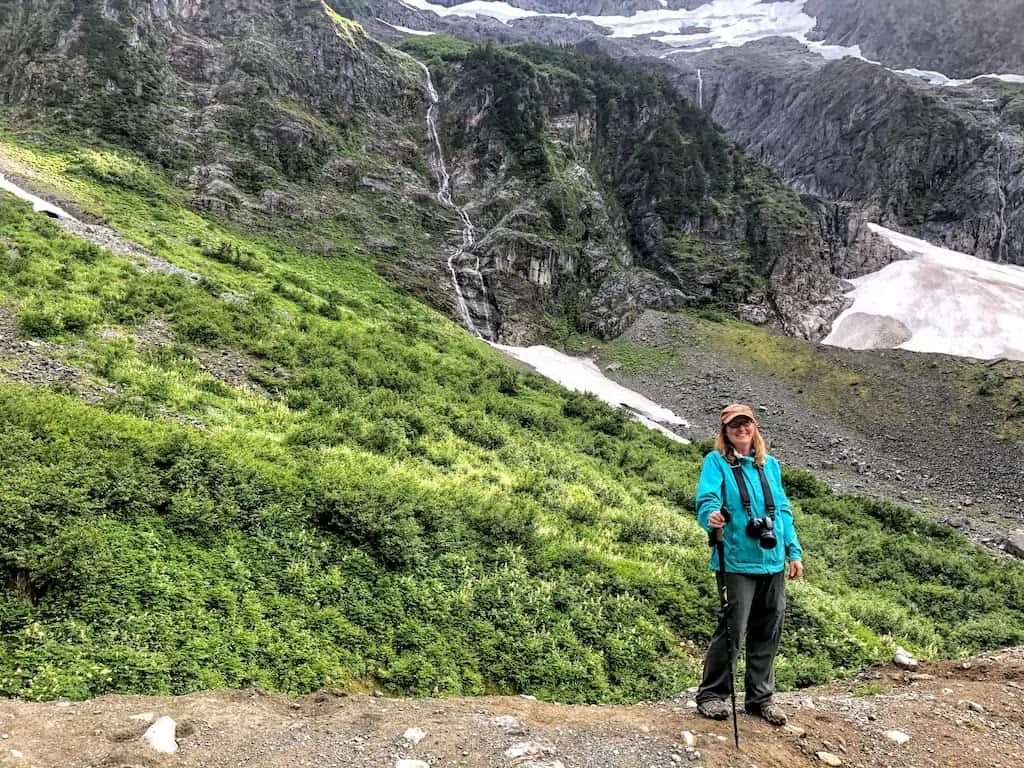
[
  {"x": 898, "y": 736},
  {"x": 509, "y": 724},
  {"x": 689, "y": 739},
  {"x": 414, "y": 735},
  {"x": 829, "y": 759}
]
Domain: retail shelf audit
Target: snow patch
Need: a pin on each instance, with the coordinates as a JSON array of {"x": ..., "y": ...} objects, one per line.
[
  {"x": 729, "y": 23},
  {"x": 583, "y": 375},
  {"x": 38, "y": 204},
  {"x": 938, "y": 301}
]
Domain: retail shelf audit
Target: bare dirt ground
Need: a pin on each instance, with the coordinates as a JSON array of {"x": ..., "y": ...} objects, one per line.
[{"x": 966, "y": 713}]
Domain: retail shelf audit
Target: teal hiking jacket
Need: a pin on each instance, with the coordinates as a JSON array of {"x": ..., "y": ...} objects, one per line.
[{"x": 717, "y": 489}]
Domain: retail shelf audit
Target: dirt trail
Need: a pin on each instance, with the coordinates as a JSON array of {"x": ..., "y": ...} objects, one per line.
[{"x": 955, "y": 713}]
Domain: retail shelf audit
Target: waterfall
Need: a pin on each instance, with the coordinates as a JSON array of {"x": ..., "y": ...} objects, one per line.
[
  {"x": 472, "y": 295},
  {"x": 1001, "y": 242},
  {"x": 700, "y": 89}
]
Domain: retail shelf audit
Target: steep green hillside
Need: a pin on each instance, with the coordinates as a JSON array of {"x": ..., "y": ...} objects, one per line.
[{"x": 287, "y": 474}]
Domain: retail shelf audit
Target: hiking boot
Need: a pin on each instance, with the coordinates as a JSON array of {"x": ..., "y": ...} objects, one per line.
[
  {"x": 714, "y": 709},
  {"x": 770, "y": 711}
]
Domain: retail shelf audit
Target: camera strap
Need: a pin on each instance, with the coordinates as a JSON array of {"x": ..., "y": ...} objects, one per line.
[{"x": 769, "y": 500}]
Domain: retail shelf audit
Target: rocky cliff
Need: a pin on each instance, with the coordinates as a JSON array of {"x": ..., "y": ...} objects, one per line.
[
  {"x": 239, "y": 99},
  {"x": 863, "y": 142},
  {"x": 602, "y": 192},
  {"x": 873, "y": 145},
  {"x": 960, "y": 38}
]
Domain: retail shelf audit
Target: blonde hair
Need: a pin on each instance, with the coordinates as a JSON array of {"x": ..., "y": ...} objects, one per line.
[{"x": 724, "y": 447}]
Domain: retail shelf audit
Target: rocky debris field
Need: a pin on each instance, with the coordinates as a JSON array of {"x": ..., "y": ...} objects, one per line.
[
  {"x": 899, "y": 445},
  {"x": 962, "y": 713}
]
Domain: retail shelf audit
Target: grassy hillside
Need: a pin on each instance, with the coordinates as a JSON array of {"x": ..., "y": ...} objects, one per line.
[{"x": 286, "y": 474}]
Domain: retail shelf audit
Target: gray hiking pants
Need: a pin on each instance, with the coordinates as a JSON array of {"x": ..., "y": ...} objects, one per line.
[{"x": 756, "y": 606}]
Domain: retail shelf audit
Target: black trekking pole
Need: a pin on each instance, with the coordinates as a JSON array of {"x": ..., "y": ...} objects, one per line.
[{"x": 716, "y": 540}]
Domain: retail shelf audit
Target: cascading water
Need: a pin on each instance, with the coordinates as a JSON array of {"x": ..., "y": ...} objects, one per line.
[
  {"x": 999, "y": 255},
  {"x": 700, "y": 89},
  {"x": 471, "y": 293}
]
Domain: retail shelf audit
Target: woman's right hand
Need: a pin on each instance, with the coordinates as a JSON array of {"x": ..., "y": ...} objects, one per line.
[{"x": 716, "y": 520}]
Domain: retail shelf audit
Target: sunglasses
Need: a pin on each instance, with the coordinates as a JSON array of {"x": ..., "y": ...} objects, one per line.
[{"x": 741, "y": 421}]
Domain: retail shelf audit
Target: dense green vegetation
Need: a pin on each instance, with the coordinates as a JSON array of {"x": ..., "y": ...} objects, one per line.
[{"x": 366, "y": 496}]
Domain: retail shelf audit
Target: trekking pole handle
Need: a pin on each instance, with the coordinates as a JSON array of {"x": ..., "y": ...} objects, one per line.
[{"x": 715, "y": 535}]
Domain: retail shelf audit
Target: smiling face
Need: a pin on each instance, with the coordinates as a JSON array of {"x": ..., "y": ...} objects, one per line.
[{"x": 740, "y": 432}]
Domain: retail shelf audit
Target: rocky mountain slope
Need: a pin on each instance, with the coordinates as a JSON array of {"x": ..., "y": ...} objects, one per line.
[
  {"x": 955, "y": 37},
  {"x": 275, "y": 116},
  {"x": 597, "y": 192},
  {"x": 874, "y": 145},
  {"x": 235, "y": 97},
  {"x": 864, "y": 143}
]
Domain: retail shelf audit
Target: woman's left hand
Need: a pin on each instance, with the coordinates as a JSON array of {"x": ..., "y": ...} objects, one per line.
[{"x": 796, "y": 570}]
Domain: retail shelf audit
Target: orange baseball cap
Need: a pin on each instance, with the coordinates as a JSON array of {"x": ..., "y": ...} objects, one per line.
[{"x": 730, "y": 412}]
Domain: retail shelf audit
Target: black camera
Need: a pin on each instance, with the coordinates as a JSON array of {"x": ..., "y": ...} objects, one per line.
[{"x": 763, "y": 529}]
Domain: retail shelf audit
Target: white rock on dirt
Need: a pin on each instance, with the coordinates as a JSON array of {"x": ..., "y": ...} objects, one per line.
[
  {"x": 903, "y": 658},
  {"x": 829, "y": 759},
  {"x": 414, "y": 735},
  {"x": 529, "y": 749},
  {"x": 898, "y": 736},
  {"x": 161, "y": 735}
]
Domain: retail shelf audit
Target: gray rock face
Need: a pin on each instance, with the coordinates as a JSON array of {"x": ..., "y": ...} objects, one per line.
[
  {"x": 1015, "y": 543},
  {"x": 943, "y": 164},
  {"x": 235, "y": 96},
  {"x": 627, "y": 222},
  {"x": 960, "y": 38}
]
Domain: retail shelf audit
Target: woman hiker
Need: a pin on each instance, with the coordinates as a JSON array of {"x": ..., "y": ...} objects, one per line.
[{"x": 740, "y": 491}]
